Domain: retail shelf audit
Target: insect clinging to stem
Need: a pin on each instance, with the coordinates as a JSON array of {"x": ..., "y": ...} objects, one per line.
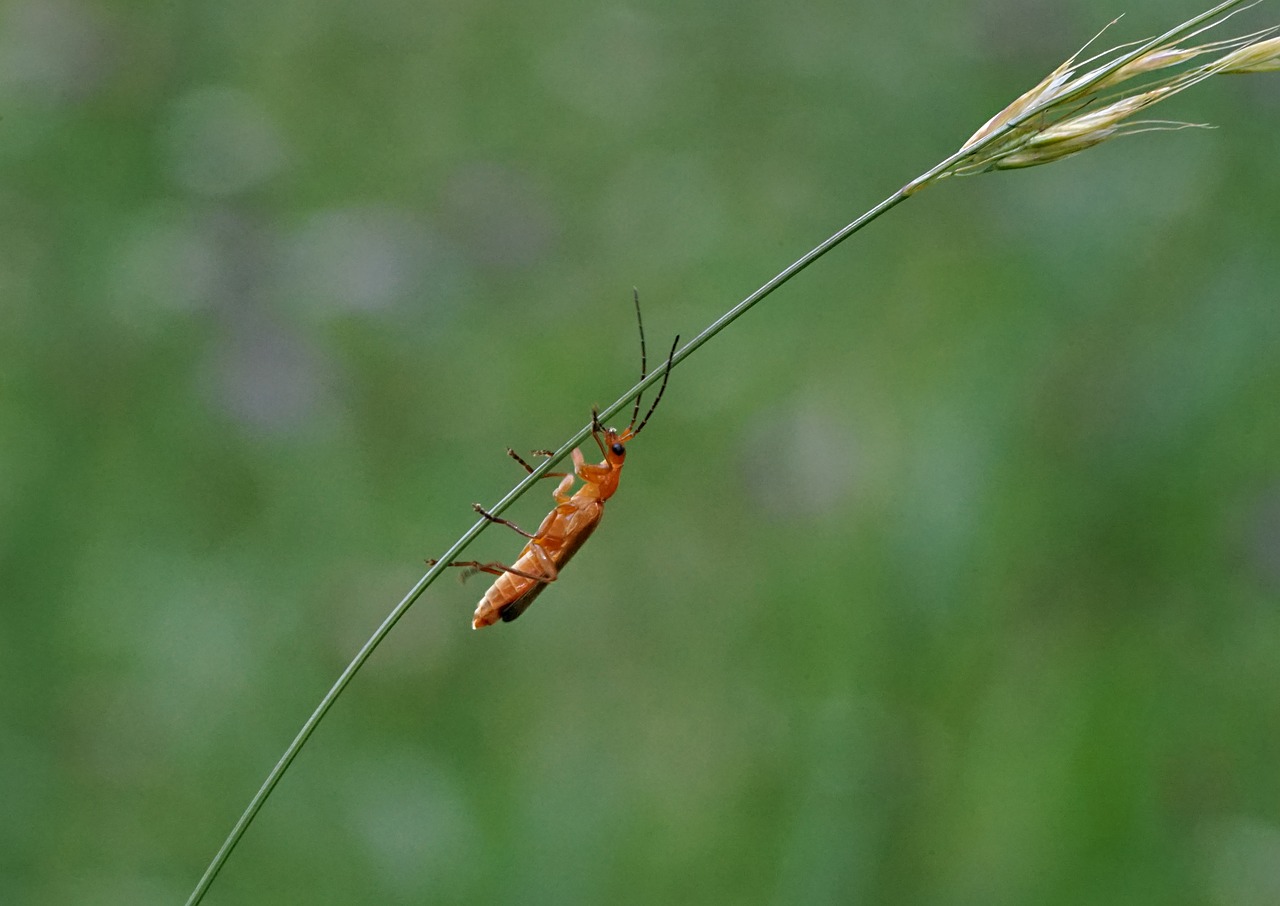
[{"x": 567, "y": 527}]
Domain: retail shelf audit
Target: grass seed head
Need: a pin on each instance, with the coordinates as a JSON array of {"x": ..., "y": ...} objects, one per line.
[{"x": 1260, "y": 56}]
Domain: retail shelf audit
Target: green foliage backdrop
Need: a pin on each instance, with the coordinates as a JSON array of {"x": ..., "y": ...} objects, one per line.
[{"x": 949, "y": 575}]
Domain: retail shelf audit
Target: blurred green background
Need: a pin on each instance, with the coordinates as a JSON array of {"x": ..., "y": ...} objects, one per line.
[{"x": 949, "y": 575}]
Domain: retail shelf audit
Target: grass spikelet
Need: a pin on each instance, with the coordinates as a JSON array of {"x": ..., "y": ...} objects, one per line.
[
  {"x": 1260, "y": 56},
  {"x": 1066, "y": 113}
]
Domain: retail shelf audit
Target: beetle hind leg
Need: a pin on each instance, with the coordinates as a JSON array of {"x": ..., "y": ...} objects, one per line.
[{"x": 494, "y": 568}]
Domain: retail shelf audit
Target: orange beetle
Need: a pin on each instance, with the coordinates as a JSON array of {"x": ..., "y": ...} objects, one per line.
[{"x": 567, "y": 527}]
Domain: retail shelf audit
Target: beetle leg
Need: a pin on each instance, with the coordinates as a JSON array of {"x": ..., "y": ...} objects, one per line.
[
  {"x": 493, "y": 569},
  {"x": 548, "y": 566},
  {"x": 587, "y": 471},
  {"x": 499, "y": 520},
  {"x": 528, "y": 468},
  {"x": 596, "y": 430},
  {"x": 561, "y": 492}
]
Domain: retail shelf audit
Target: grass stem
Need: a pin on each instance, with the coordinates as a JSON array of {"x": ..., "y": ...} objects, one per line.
[{"x": 1055, "y": 119}]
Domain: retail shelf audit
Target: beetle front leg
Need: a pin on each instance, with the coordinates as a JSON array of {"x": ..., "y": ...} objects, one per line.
[{"x": 561, "y": 493}]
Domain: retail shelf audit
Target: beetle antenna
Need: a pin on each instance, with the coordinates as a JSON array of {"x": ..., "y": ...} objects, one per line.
[
  {"x": 661, "y": 390},
  {"x": 644, "y": 369}
]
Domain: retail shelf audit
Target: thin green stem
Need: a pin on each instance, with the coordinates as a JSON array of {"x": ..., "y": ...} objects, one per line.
[
  {"x": 940, "y": 170},
  {"x": 294, "y": 747}
]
